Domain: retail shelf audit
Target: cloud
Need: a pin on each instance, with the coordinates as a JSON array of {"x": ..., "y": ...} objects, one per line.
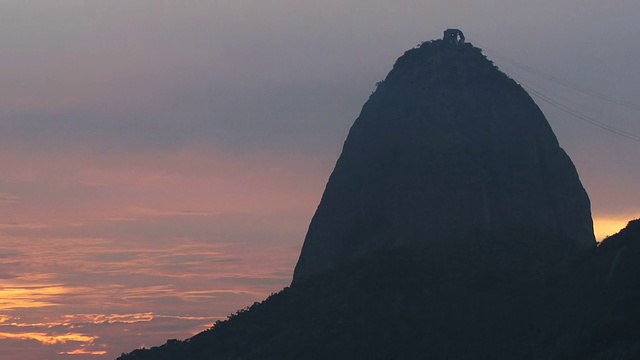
[
  {"x": 48, "y": 339},
  {"x": 168, "y": 276},
  {"x": 93, "y": 334},
  {"x": 110, "y": 318},
  {"x": 158, "y": 212},
  {"x": 8, "y": 198},
  {"x": 83, "y": 351},
  {"x": 30, "y": 297}
]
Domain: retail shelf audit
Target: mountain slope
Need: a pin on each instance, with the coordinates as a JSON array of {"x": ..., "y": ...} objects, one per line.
[
  {"x": 613, "y": 272},
  {"x": 392, "y": 305},
  {"x": 453, "y": 227},
  {"x": 446, "y": 147}
]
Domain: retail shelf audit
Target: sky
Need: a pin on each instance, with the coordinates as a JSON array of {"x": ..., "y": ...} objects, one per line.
[{"x": 161, "y": 160}]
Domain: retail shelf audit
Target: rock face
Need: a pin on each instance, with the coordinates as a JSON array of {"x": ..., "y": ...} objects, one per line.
[
  {"x": 452, "y": 170},
  {"x": 447, "y": 147}
]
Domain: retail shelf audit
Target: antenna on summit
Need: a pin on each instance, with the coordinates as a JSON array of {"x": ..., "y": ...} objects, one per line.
[{"x": 453, "y": 37}]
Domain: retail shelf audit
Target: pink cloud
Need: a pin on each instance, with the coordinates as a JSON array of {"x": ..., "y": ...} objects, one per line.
[{"x": 160, "y": 244}]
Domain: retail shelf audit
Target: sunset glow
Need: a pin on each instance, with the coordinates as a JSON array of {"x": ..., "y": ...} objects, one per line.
[
  {"x": 607, "y": 226},
  {"x": 147, "y": 251},
  {"x": 48, "y": 339}
]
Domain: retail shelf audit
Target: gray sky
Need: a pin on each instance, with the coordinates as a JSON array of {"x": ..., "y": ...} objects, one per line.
[{"x": 286, "y": 75}]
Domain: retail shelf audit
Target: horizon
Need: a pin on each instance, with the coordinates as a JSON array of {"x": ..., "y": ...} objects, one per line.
[{"x": 162, "y": 163}]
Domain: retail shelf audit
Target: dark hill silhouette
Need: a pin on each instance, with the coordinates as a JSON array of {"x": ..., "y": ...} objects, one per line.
[
  {"x": 447, "y": 147},
  {"x": 392, "y": 305},
  {"x": 453, "y": 227},
  {"x": 612, "y": 273},
  {"x": 403, "y": 304}
]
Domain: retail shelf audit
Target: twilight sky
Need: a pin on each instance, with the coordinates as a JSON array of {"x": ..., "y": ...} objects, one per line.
[{"x": 161, "y": 160}]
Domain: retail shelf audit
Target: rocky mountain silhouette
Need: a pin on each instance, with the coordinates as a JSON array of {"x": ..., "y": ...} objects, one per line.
[
  {"x": 612, "y": 276},
  {"x": 453, "y": 227},
  {"x": 447, "y": 147}
]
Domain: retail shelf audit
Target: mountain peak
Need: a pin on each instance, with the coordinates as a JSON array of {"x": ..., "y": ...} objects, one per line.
[{"x": 448, "y": 147}]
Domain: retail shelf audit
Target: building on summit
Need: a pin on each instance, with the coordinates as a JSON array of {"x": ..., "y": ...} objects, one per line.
[{"x": 453, "y": 37}]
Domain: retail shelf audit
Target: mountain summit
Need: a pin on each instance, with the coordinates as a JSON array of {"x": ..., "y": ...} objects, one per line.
[
  {"x": 453, "y": 227},
  {"x": 447, "y": 148}
]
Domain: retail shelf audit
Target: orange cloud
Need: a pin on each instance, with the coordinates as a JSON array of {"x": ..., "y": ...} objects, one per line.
[
  {"x": 83, "y": 352},
  {"x": 110, "y": 318},
  {"x": 32, "y": 225},
  {"x": 13, "y": 298},
  {"x": 48, "y": 339}
]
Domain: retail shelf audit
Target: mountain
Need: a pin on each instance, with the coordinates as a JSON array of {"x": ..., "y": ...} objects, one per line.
[
  {"x": 447, "y": 147},
  {"x": 453, "y": 227}
]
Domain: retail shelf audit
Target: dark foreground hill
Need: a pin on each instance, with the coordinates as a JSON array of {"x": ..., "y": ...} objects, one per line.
[
  {"x": 453, "y": 227},
  {"x": 612, "y": 272},
  {"x": 418, "y": 305}
]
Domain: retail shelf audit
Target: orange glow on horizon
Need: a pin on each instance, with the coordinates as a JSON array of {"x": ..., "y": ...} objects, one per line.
[{"x": 607, "y": 226}]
